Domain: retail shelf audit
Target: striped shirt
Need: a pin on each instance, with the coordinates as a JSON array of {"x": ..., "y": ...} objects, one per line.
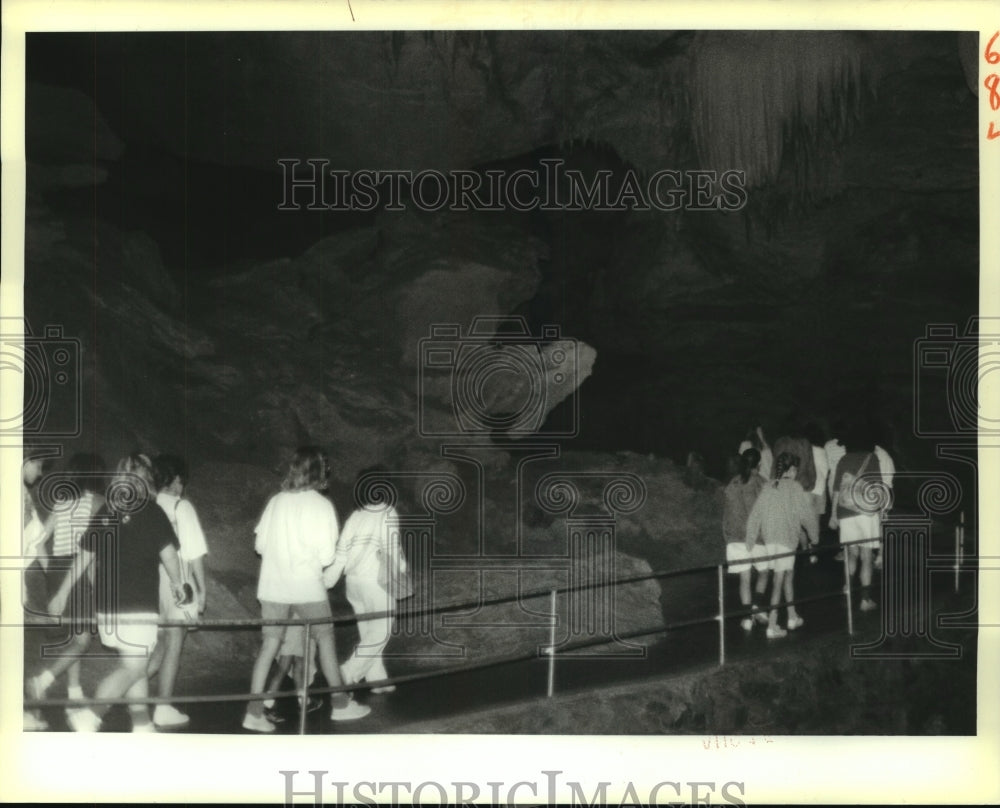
[{"x": 71, "y": 521}]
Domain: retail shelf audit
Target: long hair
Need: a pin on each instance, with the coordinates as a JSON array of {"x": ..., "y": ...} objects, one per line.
[
  {"x": 309, "y": 470},
  {"x": 749, "y": 461},
  {"x": 133, "y": 483},
  {"x": 783, "y": 463}
]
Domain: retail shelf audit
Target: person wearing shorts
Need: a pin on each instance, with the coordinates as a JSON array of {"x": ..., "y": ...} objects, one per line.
[
  {"x": 781, "y": 512},
  {"x": 860, "y": 530},
  {"x": 170, "y": 474},
  {"x": 297, "y": 539},
  {"x": 126, "y": 542},
  {"x": 740, "y": 496},
  {"x": 73, "y": 597},
  {"x": 291, "y": 658}
]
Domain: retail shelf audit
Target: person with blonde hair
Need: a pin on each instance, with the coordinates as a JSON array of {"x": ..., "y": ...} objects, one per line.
[
  {"x": 126, "y": 542},
  {"x": 297, "y": 539}
]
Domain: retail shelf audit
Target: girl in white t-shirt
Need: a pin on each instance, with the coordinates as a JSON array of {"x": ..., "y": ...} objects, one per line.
[{"x": 297, "y": 539}]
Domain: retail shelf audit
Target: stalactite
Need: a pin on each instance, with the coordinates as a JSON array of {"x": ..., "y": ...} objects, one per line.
[{"x": 751, "y": 91}]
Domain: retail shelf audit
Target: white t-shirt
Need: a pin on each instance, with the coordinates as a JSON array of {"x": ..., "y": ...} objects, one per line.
[
  {"x": 834, "y": 450},
  {"x": 184, "y": 520},
  {"x": 886, "y": 466},
  {"x": 368, "y": 532},
  {"x": 822, "y": 470},
  {"x": 296, "y": 538}
]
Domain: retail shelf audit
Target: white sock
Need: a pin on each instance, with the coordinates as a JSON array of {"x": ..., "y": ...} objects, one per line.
[
  {"x": 74, "y": 692},
  {"x": 268, "y": 702},
  {"x": 45, "y": 678}
]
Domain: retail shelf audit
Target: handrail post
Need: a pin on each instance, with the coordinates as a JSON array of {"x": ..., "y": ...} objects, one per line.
[
  {"x": 551, "y": 650},
  {"x": 959, "y": 547},
  {"x": 847, "y": 588},
  {"x": 304, "y": 688},
  {"x": 722, "y": 616}
]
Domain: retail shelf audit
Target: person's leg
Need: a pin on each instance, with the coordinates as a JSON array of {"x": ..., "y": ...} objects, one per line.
[
  {"x": 772, "y": 617},
  {"x": 373, "y": 633},
  {"x": 174, "y": 642},
  {"x": 866, "y": 578},
  {"x": 745, "y": 587},
  {"x": 852, "y": 560},
  {"x": 131, "y": 669},
  {"x": 278, "y": 677},
  {"x": 793, "y": 615},
  {"x": 759, "y": 600},
  {"x": 261, "y": 667},
  {"x": 140, "y": 690},
  {"x": 328, "y": 664}
]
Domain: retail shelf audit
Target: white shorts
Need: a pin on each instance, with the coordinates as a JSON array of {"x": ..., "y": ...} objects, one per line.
[
  {"x": 862, "y": 526},
  {"x": 785, "y": 564},
  {"x": 128, "y": 633},
  {"x": 737, "y": 551}
]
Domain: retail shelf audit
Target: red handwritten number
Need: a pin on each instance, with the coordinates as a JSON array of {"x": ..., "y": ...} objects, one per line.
[
  {"x": 992, "y": 56},
  {"x": 992, "y": 133},
  {"x": 992, "y": 80}
]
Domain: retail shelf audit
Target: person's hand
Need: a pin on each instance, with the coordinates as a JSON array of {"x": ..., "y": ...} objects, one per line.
[
  {"x": 834, "y": 521},
  {"x": 202, "y": 598},
  {"x": 58, "y": 603}
]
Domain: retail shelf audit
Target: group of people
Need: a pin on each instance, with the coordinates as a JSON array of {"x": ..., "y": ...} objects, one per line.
[
  {"x": 774, "y": 504},
  {"x": 125, "y": 552}
]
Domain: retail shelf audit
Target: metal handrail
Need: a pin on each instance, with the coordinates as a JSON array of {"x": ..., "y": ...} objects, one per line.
[{"x": 488, "y": 662}]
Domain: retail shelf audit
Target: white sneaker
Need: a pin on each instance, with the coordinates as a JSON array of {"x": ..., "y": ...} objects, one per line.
[
  {"x": 776, "y": 632},
  {"x": 33, "y": 722},
  {"x": 257, "y": 723},
  {"x": 146, "y": 726},
  {"x": 85, "y": 720},
  {"x": 746, "y": 624},
  {"x": 352, "y": 711},
  {"x": 795, "y": 622},
  {"x": 166, "y": 715}
]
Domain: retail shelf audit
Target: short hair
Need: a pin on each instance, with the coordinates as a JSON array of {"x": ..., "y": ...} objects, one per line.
[
  {"x": 167, "y": 467},
  {"x": 309, "y": 469},
  {"x": 86, "y": 470}
]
